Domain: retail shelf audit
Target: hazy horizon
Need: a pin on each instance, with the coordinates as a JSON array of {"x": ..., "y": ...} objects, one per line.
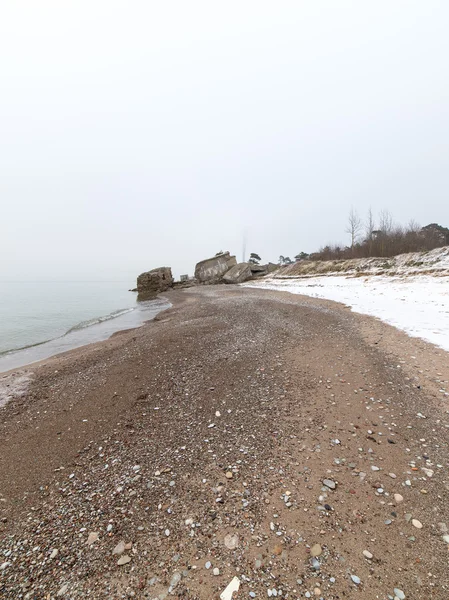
[{"x": 143, "y": 134}]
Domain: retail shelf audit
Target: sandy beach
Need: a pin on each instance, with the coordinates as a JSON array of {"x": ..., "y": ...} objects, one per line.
[{"x": 279, "y": 439}]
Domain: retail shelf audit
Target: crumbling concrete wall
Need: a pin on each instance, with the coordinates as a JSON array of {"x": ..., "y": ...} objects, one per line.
[
  {"x": 238, "y": 274},
  {"x": 212, "y": 269}
]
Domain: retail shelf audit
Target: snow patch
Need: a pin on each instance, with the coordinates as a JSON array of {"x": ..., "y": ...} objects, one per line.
[
  {"x": 13, "y": 386},
  {"x": 418, "y": 305}
]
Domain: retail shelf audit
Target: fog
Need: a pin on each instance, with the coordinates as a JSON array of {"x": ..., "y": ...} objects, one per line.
[{"x": 141, "y": 134}]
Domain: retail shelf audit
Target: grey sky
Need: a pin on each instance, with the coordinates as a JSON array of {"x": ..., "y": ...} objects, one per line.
[{"x": 139, "y": 134}]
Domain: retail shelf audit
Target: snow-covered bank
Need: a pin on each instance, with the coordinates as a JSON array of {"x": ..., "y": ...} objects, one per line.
[
  {"x": 418, "y": 305},
  {"x": 435, "y": 262}
]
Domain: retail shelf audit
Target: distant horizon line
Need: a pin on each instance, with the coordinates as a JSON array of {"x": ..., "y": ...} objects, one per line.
[{"x": 62, "y": 281}]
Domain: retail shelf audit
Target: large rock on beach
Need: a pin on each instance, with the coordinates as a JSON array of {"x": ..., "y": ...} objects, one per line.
[
  {"x": 211, "y": 270},
  {"x": 238, "y": 274},
  {"x": 151, "y": 283},
  {"x": 262, "y": 270}
]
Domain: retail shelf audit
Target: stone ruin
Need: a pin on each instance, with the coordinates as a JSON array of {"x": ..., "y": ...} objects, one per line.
[
  {"x": 151, "y": 283},
  {"x": 223, "y": 268},
  {"x": 211, "y": 270}
]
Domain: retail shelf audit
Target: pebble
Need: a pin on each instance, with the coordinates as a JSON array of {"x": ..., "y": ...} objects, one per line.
[
  {"x": 446, "y": 538},
  {"x": 416, "y": 523},
  {"x": 208, "y": 565},
  {"x": 216, "y": 571},
  {"x": 316, "y": 564},
  {"x": 373, "y": 468},
  {"x": 92, "y": 537},
  {"x": 355, "y": 579},
  {"x": 316, "y": 550},
  {"x": 398, "y": 498},
  {"x": 399, "y": 594},
  {"x": 167, "y": 532},
  {"x": 63, "y": 589},
  {"x": 231, "y": 541},
  {"x": 54, "y": 553},
  {"x": 123, "y": 560},
  {"x": 367, "y": 554},
  {"x": 232, "y": 587},
  {"x": 330, "y": 484},
  {"x": 119, "y": 549},
  {"x": 229, "y": 475}
]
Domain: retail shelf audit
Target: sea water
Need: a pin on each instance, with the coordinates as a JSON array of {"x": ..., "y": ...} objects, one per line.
[{"x": 41, "y": 319}]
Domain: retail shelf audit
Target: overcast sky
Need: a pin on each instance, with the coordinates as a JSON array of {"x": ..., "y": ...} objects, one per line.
[{"x": 137, "y": 134}]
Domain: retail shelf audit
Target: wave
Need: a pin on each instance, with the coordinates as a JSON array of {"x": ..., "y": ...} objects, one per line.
[
  {"x": 90, "y": 322},
  {"x": 80, "y": 326}
]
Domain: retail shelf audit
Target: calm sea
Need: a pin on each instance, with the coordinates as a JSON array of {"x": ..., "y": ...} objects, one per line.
[{"x": 40, "y": 319}]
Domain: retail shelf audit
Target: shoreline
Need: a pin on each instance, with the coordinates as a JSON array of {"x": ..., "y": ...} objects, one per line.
[
  {"x": 78, "y": 337},
  {"x": 15, "y": 382}
]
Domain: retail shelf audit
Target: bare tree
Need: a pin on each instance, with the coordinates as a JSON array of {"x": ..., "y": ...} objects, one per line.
[
  {"x": 388, "y": 239},
  {"x": 385, "y": 222},
  {"x": 370, "y": 227},
  {"x": 413, "y": 226},
  {"x": 386, "y": 226},
  {"x": 354, "y": 226}
]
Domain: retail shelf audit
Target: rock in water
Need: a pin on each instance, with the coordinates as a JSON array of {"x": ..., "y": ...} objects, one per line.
[{"x": 152, "y": 283}]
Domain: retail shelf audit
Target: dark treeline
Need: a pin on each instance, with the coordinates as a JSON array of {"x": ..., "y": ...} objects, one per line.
[{"x": 383, "y": 238}]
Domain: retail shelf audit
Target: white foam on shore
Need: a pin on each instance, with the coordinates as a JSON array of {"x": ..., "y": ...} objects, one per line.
[
  {"x": 14, "y": 385},
  {"x": 419, "y": 305}
]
